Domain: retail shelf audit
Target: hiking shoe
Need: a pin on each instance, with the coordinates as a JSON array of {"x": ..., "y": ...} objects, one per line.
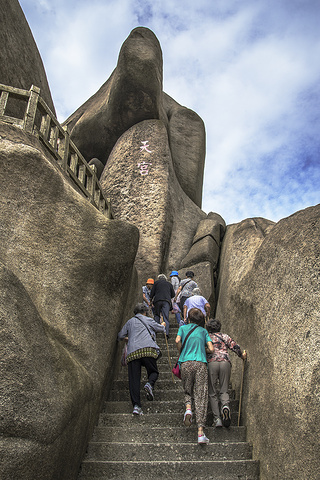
[
  {"x": 226, "y": 417},
  {"x": 187, "y": 419},
  {"x": 217, "y": 423},
  {"x": 202, "y": 439},
  {"x": 137, "y": 410},
  {"x": 149, "y": 391}
]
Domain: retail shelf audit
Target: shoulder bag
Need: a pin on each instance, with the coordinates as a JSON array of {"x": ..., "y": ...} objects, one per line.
[
  {"x": 176, "y": 368},
  {"x": 152, "y": 336}
]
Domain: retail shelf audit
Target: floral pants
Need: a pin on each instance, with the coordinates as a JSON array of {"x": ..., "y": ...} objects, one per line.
[{"x": 194, "y": 376}]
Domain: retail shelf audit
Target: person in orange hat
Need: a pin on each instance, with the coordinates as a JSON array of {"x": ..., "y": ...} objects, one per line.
[{"x": 146, "y": 289}]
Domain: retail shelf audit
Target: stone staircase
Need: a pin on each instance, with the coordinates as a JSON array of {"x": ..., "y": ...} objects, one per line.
[{"x": 157, "y": 445}]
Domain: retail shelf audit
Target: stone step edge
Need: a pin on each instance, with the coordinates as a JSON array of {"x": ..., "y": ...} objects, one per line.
[
  {"x": 170, "y": 444},
  {"x": 149, "y": 414},
  {"x": 178, "y": 427},
  {"x": 169, "y": 462}
]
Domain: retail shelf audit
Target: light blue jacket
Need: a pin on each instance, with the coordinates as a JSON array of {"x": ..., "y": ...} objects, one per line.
[{"x": 138, "y": 335}]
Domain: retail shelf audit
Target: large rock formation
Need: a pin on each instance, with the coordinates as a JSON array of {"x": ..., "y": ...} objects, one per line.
[
  {"x": 269, "y": 302},
  {"x": 65, "y": 273},
  {"x": 153, "y": 149},
  {"x": 144, "y": 191},
  {"x": 134, "y": 93},
  {"x": 20, "y": 62}
]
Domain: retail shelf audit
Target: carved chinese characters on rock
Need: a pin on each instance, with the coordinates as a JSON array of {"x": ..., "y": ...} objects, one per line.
[{"x": 144, "y": 165}]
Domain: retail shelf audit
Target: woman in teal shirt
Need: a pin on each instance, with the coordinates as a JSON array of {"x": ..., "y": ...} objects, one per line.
[{"x": 194, "y": 371}]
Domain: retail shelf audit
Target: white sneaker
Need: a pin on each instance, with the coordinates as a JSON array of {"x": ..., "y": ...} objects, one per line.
[
  {"x": 137, "y": 410},
  {"x": 226, "y": 416},
  {"x": 203, "y": 439},
  {"x": 217, "y": 423},
  {"x": 187, "y": 419}
]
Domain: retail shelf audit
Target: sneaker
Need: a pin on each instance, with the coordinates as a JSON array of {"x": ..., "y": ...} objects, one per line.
[
  {"x": 217, "y": 422},
  {"x": 226, "y": 417},
  {"x": 187, "y": 419},
  {"x": 149, "y": 391},
  {"x": 137, "y": 410},
  {"x": 202, "y": 439}
]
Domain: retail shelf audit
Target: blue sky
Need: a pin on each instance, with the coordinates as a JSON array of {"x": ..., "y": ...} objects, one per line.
[{"x": 250, "y": 69}]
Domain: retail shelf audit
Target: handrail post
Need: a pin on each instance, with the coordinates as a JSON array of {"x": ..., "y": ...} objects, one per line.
[
  {"x": 3, "y": 101},
  {"x": 65, "y": 147},
  {"x": 31, "y": 110}
]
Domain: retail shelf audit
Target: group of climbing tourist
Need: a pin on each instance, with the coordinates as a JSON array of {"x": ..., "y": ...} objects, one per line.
[{"x": 203, "y": 349}]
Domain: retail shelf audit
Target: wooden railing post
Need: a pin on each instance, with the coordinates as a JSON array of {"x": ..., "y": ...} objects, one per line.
[
  {"x": 3, "y": 102},
  {"x": 65, "y": 148},
  {"x": 31, "y": 111}
]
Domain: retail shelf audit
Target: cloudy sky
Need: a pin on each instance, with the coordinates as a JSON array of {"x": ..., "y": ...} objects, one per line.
[{"x": 249, "y": 68}]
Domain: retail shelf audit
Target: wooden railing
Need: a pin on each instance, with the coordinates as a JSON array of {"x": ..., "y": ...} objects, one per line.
[{"x": 26, "y": 109}]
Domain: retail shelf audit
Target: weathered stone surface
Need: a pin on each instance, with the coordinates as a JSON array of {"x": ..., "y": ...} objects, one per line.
[
  {"x": 20, "y": 62},
  {"x": 205, "y": 249},
  {"x": 240, "y": 244},
  {"x": 98, "y": 165},
  {"x": 132, "y": 94},
  {"x": 144, "y": 191},
  {"x": 187, "y": 140},
  {"x": 204, "y": 276},
  {"x": 206, "y": 242},
  {"x": 213, "y": 225},
  {"x": 269, "y": 302},
  {"x": 64, "y": 278}
]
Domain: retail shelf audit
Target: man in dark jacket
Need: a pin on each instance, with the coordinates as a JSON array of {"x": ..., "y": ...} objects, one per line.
[{"x": 161, "y": 294}]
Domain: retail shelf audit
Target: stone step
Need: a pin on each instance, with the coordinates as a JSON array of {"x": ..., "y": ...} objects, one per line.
[
  {"x": 157, "y": 445},
  {"x": 160, "y": 470},
  {"x": 164, "y": 374},
  {"x": 134, "y": 433},
  {"x": 160, "y": 395},
  {"x": 170, "y": 406},
  {"x": 162, "y": 384},
  {"x": 169, "y": 451},
  {"x": 149, "y": 419}
]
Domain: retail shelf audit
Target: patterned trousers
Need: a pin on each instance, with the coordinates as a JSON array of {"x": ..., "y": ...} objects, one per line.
[{"x": 194, "y": 376}]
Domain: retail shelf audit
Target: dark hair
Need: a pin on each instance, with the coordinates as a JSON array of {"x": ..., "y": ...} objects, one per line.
[
  {"x": 213, "y": 325},
  {"x": 189, "y": 274},
  {"x": 140, "y": 308},
  {"x": 196, "y": 316}
]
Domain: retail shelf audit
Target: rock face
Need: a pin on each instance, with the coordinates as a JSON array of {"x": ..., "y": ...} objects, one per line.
[
  {"x": 206, "y": 243},
  {"x": 154, "y": 150},
  {"x": 20, "y": 62},
  {"x": 65, "y": 273},
  {"x": 68, "y": 276},
  {"x": 132, "y": 94},
  {"x": 140, "y": 180},
  {"x": 269, "y": 303}
]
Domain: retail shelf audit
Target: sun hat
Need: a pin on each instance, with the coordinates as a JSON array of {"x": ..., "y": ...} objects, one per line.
[
  {"x": 174, "y": 272},
  {"x": 150, "y": 281}
]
